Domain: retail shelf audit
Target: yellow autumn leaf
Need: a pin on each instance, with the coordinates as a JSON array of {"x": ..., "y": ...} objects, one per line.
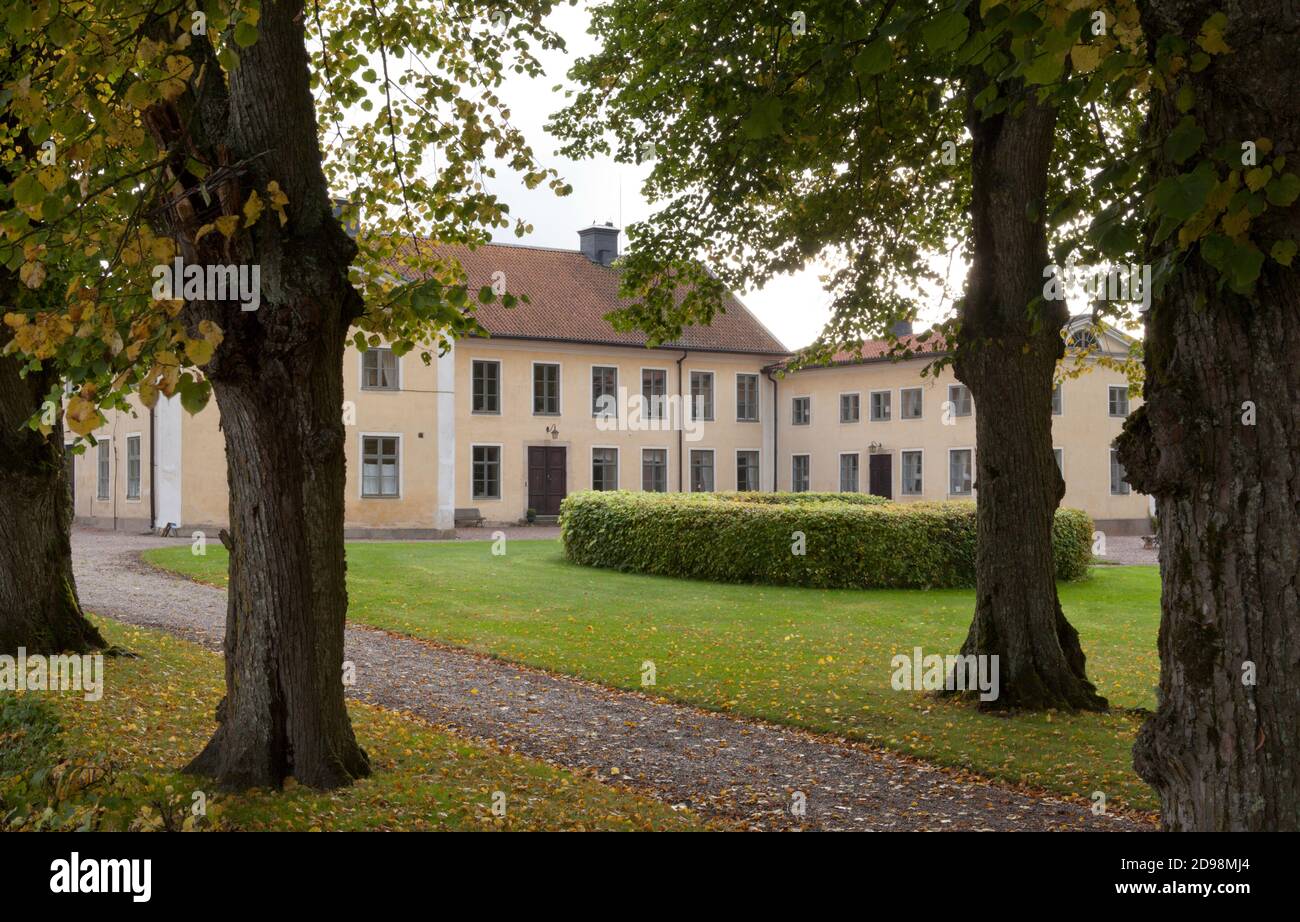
[
  {"x": 1258, "y": 178},
  {"x": 32, "y": 274},
  {"x": 199, "y": 351},
  {"x": 1085, "y": 58},
  {"x": 81, "y": 415},
  {"x": 252, "y": 209},
  {"x": 227, "y": 224},
  {"x": 163, "y": 249},
  {"x": 1211, "y": 37},
  {"x": 211, "y": 332},
  {"x": 1236, "y": 223},
  {"x": 278, "y": 200}
]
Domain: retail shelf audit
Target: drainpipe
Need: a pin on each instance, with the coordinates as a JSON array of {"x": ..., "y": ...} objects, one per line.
[
  {"x": 153, "y": 467},
  {"x": 684, "y": 401},
  {"x": 776, "y": 423}
]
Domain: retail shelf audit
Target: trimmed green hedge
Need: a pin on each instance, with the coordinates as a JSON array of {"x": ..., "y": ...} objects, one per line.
[
  {"x": 859, "y": 542},
  {"x": 799, "y": 499}
]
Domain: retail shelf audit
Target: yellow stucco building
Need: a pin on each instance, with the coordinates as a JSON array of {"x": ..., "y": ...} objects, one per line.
[{"x": 555, "y": 400}]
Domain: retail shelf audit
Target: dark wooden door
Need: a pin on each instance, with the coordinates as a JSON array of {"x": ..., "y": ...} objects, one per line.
[
  {"x": 547, "y": 478},
  {"x": 882, "y": 475}
]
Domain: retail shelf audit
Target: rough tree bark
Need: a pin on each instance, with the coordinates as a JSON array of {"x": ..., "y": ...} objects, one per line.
[
  {"x": 1222, "y": 753},
  {"x": 277, "y": 377},
  {"x": 1007, "y": 357},
  {"x": 38, "y": 597}
]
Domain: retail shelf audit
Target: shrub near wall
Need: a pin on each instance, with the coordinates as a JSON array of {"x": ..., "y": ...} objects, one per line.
[{"x": 847, "y": 543}]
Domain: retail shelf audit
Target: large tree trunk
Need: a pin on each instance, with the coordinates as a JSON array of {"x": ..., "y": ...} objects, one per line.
[
  {"x": 1007, "y": 358},
  {"x": 1223, "y": 749},
  {"x": 278, "y": 379},
  {"x": 38, "y": 597},
  {"x": 284, "y": 711}
]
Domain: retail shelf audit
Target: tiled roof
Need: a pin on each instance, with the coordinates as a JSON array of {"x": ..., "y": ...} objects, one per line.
[
  {"x": 878, "y": 350},
  {"x": 570, "y": 295}
]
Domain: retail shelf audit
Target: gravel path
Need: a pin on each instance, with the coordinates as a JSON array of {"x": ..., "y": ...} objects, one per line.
[
  {"x": 731, "y": 768},
  {"x": 1129, "y": 551}
]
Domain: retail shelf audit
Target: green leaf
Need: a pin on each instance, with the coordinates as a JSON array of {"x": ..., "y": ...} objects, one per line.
[
  {"x": 1185, "y": 140},
  {"x": 245, "y": 34},
  {"x": 194, "y": 394},
  {"x": 1283, "y": 190},
  {"x": 1283, "y": 251},
  {"x": 764, "y": 120},
  {"x": 945, "y": 32},
  {"x": 875, "y": 58},
  {"x": 1239, "y": 263},
  {"x": 1180, "y": 197},
  {"x": 1045, "y": 67},
  {"x": 27, "y": 190}
]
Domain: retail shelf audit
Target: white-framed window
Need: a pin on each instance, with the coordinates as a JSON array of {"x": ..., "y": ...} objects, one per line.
[
  {"x": 800, "y": 473},
  {"x": 881, "y": 406},
  {"x": 380, "y": 370},
  {"x": 654, "y": 393},
  {"x": 1118, "y": 485},
  {"x": 800, "y": 411},
  {"x": 604, "y": 468},
  {"x": 654, "y": 470},
  {"x": 103, "y": 468},
  {"x": 747, "y": 470},
  {"x": 604, "y": 390},
  {"x": 485, "y": 473},
  {"x": 1118, "y": 401},
  {"x": 961, "y": 471},
  {"x": 959, "y": 397},
  {"x": 850, "y": 408},
  {"x": 381, "y": 465},
  {"x": 133, "y": 467},
  {"x": 746, "y": 398},
  {"x": 1059, "y": 455},
  {"x": 485, "y": 386},
  {"x": 546, "y": 388},
  {"x": 910, "y": 400},
  {"x": 702, "y": 395},
  {"x": 702, "y": 470},
  {"x": 1058, "y": 399},
  {"x": 849, "y": 463},
  {"x": 911, "y": 472}
]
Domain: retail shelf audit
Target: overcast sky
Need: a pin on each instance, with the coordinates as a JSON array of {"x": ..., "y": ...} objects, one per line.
[{"x": 793, "y": 307}]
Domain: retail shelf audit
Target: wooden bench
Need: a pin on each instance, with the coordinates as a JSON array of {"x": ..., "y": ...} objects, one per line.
[{"x": 468, "y": 518}]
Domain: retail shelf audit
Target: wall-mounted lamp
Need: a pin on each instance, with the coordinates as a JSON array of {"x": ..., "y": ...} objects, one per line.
[
  {"x": 554, "y": 431},
  {"x": 874, "y": 447}
]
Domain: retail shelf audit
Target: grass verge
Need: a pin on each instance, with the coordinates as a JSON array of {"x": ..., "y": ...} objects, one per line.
[
  {"x": 67, "y": 763},
  {"x": 812, "y": 658}
]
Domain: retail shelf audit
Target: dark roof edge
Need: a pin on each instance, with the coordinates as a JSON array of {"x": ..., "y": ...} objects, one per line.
[{"x": 668, "y": 347}]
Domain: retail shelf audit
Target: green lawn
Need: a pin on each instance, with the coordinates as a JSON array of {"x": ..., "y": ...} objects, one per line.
[
  {"x": 68, "y": 763},
  {"x": 813, "y": 658}
]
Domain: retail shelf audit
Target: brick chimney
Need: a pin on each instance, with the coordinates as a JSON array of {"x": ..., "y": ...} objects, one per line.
[{"x": 599, "y": 243}]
